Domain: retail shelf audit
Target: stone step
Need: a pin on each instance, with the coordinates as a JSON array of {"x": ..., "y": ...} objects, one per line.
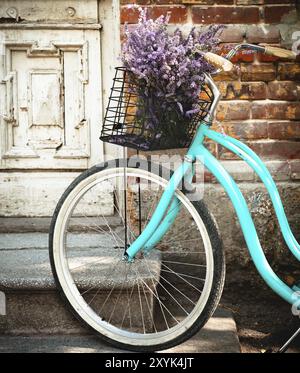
[
  {"x": 32, "y": 303},
  {"x": 42, "y": 224},
  {"x": 219, "y": 335},
  {"x": 34, "y": 318}
]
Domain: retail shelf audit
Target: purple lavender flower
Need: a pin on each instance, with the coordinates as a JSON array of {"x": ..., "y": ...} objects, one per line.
[{"x": 168, "y": 68}]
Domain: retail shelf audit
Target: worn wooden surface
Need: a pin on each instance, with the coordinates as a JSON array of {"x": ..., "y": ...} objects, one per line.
[{"x": 53, "y": 55}]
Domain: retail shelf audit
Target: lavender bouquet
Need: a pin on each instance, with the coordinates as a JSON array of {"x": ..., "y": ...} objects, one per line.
[{"x": 167, "y": 70}]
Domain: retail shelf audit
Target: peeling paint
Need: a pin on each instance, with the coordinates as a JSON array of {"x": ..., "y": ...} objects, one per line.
[{"x": 52, "y": 125}]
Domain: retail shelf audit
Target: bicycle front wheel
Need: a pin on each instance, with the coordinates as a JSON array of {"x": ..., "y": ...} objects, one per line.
[{"x": 161, "y": 298}]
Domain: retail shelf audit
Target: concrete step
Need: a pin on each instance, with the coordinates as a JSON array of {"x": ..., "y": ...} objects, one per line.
[
  {"x": 32, "y": 303},
  {"x": 25, "y": 265},
  {"x": 42, "y": 224},
  {"x": 218, "y": 336},
  {"x": 36, "y": 319}
]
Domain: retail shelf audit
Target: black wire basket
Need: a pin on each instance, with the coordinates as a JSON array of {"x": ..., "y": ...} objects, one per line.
[{"x": 138, "y": 121}]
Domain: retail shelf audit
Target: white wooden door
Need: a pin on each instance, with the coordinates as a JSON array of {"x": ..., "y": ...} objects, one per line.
[{"x": 50, "y": 100}]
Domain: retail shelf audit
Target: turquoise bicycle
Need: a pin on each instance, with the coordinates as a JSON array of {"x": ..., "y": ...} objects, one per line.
[{"x": 135, "y": 254}]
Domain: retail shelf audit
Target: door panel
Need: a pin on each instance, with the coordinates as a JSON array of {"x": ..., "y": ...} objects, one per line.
[
  {"x": 46, "y": 120},
  {"x": 50, "y": 100}
]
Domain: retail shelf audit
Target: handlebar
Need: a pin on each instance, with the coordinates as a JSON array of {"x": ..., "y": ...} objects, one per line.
[
  {"x": 224, "y": 64},
  {"x": 279, "y": 52},
  {"x": 219, "y": 62}
]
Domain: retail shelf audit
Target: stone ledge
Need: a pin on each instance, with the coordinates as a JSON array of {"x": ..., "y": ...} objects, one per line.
[
  {"x": 42, "y": 224},
  {"x": 218, "y": 335},
  {"x": 29, "y": 268}
]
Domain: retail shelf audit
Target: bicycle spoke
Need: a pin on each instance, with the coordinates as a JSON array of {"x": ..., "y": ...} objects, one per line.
[
  {"x": 150, "y": 313},
  {"x": 174, "y": 299},
  {"x": 112, "y": 233},
  {"x": 183, "y": 253},
  {"x": 121, "y": 215},
  {"x": 180, "y": 234},
  {"x": 85, "y": 264},
  {"x": 180, "y": 292},
  {"x": 182, "y": 274},
  {"x": 174, "y": 318},
  {"x": 151, "y": 209},
  {"x": 157, "y": 297},
  {"x": 128, "y": 305},
  {"x": 187, "y": 264},
  {"x": 142, "y": 313},
  {"x": 120, "y": 292},
  {"x": 175, "y": 273},
  {"x": 98, "y": 229},
  {"x": 98, "y": 290}
]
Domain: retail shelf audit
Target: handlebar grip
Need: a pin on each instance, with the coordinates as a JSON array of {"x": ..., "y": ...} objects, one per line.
[
  {"x": 280, "y": 52},
  {"x": 219, "y": 62}
]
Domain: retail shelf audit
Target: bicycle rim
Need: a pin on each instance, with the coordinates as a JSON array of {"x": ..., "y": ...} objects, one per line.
[{"x": 160, "y": 295}]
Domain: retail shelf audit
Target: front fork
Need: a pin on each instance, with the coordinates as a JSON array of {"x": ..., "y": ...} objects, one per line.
[
  {"x": 164, "y": 214},
  {"x": 169, "y": 205}
]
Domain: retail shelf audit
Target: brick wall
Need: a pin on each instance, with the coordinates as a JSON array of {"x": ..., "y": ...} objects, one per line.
[
  {"x": 261, "y": 101},
  {"x": 260, "y": 105}
]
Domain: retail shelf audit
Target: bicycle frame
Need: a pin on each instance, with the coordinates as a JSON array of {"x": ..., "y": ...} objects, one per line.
[{"x": 169, "y": 206}]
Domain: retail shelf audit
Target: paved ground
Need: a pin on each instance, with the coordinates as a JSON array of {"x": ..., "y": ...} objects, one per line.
[{"x": 219, "y": 335}]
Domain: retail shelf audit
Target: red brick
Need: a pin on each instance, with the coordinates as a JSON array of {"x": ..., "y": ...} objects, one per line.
[
  {"x": 274, "y": 14},
  {"x": 207, "y": 176},
  {"x": 198, "y": 2},
  {"x": 224, "y": 2},
  {"x": 232, "y": 34},
  {"x": 289, "y": 71},
  {"x": 263, "y": 34},
  {"x": 279, "y": 169},
  {"x": 276, "y": 110},
  {"x": 276, "y": 149},
  {"x": 284, "y": 130},
  {"x": 248, "y": 130},
  {"x": 211, "y": 146},
  {"x": 233, "y": 110},
  {"x": 238, "y": 170},
  {"x": 249, "y": 2},
  {"x": 151, "y": 2},
  {"x": 227, "y": 76},
  {"x": 225, "y": 154},
  {"x": 263, "y": 71},
  {"x": 124, "y": 2},
  {"x": 243, "y": 91},
  {"x": 295, "y": 170},
  {"x": 129, "y": 15},
  {"x": 225, "y": 14},
  {"x": 259, "y": 110},
  {"x": 163, "y": 2},
  {"x": 280, "y": 1},
  {"x": 288, "y": 91},
  {"x": 178, "y": 13}
]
